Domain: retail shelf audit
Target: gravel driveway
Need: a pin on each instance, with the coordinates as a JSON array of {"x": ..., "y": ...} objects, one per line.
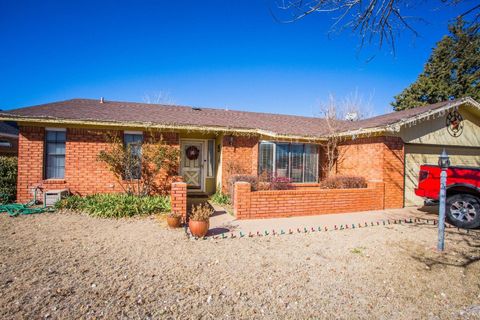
[{"x": 72, "y": 266}]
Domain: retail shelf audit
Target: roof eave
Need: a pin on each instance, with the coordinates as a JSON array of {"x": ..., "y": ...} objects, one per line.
[
  {"x": 56, "y": 121},
  {"x": 395, "y": 127}
]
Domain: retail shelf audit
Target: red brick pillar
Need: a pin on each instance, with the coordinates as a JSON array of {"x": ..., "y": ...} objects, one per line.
[
  {"x": 379, "y": 200},
  {"x": 393, "y": 172},
  {"x": 178, "y": 196},
  {"x": 242, "y": 194}
]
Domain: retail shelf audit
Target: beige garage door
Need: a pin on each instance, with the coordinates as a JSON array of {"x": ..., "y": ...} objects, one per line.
[{"x": 417, "y": 154}]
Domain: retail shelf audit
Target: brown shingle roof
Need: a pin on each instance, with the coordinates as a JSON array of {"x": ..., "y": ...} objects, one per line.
[
  {"x": 181, "y": 116},
  {"x": 110, "y": 111},
  {"x": 394, "y": 117}
]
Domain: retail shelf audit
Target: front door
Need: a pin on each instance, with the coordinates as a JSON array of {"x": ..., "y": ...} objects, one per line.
[{"x": 192, "y": 164}]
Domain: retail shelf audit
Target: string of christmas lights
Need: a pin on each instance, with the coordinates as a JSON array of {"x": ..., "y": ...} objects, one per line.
[{"x": 319, "y": 229}]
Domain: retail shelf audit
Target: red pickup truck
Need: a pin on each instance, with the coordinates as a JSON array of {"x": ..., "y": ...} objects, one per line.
[{"x": 463, "y": 193}]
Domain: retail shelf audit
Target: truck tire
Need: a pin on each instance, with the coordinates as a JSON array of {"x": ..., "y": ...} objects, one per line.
[{"x": 463, "y": 210}]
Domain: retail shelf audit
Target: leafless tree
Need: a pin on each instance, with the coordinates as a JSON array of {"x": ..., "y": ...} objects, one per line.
[
  {"x": 372, "y": 20},
  {"x": 160, "y": 97},
  {"x": 336, "y": 113}
]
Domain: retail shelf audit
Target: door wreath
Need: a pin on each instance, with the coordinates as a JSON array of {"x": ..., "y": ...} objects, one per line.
[{"x": 192, "y": 153}]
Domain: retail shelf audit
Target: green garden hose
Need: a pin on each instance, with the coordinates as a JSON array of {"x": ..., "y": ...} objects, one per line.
[{"x": 16, "y": 209}]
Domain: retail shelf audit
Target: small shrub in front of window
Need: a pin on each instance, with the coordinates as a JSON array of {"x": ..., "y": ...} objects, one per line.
[
  {"x": 140, "y": 168},
  {"x": 344, "y": 182},
  {"x": 253, "y": 180},
  {"x": 281, "y": 183}
]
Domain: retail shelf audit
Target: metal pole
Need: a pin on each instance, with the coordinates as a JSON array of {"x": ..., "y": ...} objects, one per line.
[{"x": 441, "y": 216}]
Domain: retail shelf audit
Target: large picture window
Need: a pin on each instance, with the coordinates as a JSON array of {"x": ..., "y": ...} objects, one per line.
[
  {"x": 55, "y": 140},
  {"x": 296, "y": 161}
]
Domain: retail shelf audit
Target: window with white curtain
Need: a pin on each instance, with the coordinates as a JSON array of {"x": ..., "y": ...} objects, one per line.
[
  {"x": 55, "y": 140},
  {"x": 296, "y": 161}
]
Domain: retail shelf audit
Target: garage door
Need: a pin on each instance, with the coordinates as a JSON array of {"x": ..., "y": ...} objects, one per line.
[{"x": 417, "y": 154}]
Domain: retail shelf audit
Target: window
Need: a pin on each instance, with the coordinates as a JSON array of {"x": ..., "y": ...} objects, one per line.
[
  {"x": 211, "y": 158},
  {"x": 296, "y": 161},
  {"x": 265, "y": 158},
  {"x": 133, "y": 141},
  {"x": 281, "y": 160},
  {"x": 55, "y": 140},
  {"x": 311, "y": 163}
]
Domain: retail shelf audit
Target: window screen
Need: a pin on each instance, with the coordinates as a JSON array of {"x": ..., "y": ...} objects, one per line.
[
  {"x": 296, "y": 162},
  {"x": 133, "y": 141},
  {"x": 55, "y": 154},
  {"x": 311, "y": 163},
  {"x": 282, "y": 160},
  {"x": 265, "y": 158}
]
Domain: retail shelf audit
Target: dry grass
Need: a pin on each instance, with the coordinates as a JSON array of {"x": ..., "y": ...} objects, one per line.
[{"x": 71, "y": 266}]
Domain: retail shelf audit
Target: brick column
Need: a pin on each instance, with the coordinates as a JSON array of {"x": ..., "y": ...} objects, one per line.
[
  {"x": 393, "y": 172},
  {"x": 379, "y": 199},
  {"x": 241, "y": 206},
  {"x": 178, "y": 196}
]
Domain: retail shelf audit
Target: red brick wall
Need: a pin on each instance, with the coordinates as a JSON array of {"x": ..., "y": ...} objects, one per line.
[
  {"x": 84, "y": 174},
  {"x": 376, "y": 158},
  {"x": 288, "y": 203},
  {"x": 361, "y": 157},
  {"x": 30, "y": 161},
  {"x": 393, "y": 172},
  {"x": 241, "y": 155}
]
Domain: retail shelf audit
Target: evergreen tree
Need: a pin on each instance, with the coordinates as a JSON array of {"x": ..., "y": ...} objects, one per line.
[{"x": 451, "y": 72}]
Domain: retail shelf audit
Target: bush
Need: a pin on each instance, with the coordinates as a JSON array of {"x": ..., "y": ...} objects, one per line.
[
  {"x": 344, "y": 182},
  {"x": 116, "y": 205},
  {"x": 253, "y": 180},
  {"x": 220, "y": 198},
  {"x": 8, "y": 179},
  {"x": 281, "y": 183}
]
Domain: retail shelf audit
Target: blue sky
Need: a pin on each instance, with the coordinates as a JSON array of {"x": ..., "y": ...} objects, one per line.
[{"x": 203, "y": 53}]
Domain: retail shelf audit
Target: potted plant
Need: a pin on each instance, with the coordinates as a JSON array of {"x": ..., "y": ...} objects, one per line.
[
  {"x": 174, "y": 220},
  {"x": 199, "y": 220}
]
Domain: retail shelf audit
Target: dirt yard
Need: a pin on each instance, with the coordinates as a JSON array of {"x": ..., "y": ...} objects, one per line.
[{"x": 71, "y": 266}]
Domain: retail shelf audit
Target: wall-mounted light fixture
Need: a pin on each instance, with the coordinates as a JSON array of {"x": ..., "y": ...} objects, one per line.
[{"x": 230, "y": 140}]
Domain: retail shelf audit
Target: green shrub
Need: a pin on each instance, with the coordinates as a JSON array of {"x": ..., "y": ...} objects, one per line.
[
  {"x": 220, "y": 198},
  {"x": 116, "y": 205},
  {"x": 8, "y": 179}
]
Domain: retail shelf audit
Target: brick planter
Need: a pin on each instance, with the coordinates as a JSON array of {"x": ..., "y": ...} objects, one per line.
[{"x": 288, "y": 203}]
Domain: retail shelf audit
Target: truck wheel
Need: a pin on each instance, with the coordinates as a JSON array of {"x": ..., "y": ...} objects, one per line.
[{"x": 463, "y": 211}]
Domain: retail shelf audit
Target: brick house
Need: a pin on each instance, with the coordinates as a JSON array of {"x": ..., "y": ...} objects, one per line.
[{"x": 59, "y": 143}]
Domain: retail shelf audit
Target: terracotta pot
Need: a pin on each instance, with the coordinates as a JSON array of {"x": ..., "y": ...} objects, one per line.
[
  {"x": 174, "y": 222},
  {"x": 198, "y": 228}
]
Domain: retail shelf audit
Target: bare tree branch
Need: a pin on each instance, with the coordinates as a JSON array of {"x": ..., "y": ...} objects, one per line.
[{"x": 377, "y": 21}]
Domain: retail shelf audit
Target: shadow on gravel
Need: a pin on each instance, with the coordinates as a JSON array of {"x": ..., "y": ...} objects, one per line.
[
  {"x": 462, "y": 249},
  {"x": 217, "y": 231}
]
